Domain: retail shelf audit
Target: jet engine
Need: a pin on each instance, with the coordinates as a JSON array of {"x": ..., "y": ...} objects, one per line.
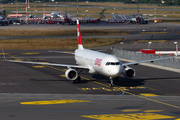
[
  {"x": 71, "y": 74},
  {"x": 129, "y": 72}
]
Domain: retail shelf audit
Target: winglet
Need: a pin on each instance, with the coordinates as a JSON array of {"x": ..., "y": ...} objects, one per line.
[
  {"x": 80, "y": 46},
  {"x": 4, "y": 54},
  {"x": 176, "y": 50}
]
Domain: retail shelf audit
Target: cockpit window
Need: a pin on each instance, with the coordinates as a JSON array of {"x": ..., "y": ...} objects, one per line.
[
  {"x": 117, "y": 63},
  {"x": 112, "y": 63},
  {"x": 108, "y": 63}
]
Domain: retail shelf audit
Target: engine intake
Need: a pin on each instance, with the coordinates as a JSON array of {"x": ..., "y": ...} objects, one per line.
[
  {"x": 71, "y": 74},
  {"x": 129, "y": 72}
]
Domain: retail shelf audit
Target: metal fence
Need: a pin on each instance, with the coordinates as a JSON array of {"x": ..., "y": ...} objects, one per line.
[{"x": 130, "y": 55}]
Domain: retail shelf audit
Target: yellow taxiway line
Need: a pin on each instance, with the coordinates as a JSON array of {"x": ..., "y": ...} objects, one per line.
[
  {"x": 129, "y": 116},
  {"x": 51, "y": 102}
]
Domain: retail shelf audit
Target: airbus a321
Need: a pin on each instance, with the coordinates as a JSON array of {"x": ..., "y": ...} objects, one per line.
[{"x": 95, "y": 62}]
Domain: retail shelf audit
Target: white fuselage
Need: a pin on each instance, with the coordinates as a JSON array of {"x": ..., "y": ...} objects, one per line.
[
  {"x": 55, "y": 15},
  {"x": 98, "y": 62}
]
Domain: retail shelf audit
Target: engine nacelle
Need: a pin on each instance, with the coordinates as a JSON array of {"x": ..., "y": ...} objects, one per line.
[
  {"x": 71, "y": 74},
  {"x": 129, "y": 72}
]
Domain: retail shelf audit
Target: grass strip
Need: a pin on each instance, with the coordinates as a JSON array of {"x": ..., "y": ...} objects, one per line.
[
  {"x": 55, "y": 43},
  {"x": 59, "y": 32}
]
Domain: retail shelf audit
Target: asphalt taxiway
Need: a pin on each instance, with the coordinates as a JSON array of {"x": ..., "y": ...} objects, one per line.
[
  {"x": 30, "y": 91},
  {"x": 44, "y": 92}
]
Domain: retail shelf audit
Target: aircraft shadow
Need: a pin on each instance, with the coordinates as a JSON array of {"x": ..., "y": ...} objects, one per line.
[{"x": 123, "y": 82}]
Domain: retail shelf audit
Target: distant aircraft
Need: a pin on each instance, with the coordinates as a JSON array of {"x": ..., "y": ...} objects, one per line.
[
  {"x": 67, "y": 19},
  {"x": 95, "y": 62},
  {"x": 55, "y": 14}
]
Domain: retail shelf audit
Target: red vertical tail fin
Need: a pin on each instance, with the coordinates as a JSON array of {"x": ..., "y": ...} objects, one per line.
[{"x": 80, "y": 46}]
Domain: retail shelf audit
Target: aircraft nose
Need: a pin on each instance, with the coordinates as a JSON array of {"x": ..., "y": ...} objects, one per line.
[{"x": 115, "y": 71}]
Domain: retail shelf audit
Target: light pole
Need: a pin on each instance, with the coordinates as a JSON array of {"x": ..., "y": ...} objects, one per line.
[
  {"x": 77, "y": 8},
  {"x": 26, "y": 12},
  {"x": 138, "y": 8},
  {"x": 44, "y": 10},
  {"x": 176, "y": 48},
  {"x": 155, "y": 21},
  {"x": 17, "y": 9}
]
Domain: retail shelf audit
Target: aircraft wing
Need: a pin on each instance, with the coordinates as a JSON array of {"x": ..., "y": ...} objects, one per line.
[
  {"x": 145, "y": 61},
  {"x": 50, "y": 64}
]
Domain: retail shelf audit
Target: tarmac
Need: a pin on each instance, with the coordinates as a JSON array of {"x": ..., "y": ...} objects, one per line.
[{"x": 30, "y": 91}]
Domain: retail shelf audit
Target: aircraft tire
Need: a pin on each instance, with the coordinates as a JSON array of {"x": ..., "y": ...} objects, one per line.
[
  {"x": 74, "y": 81},
  {"x": 78, "y": 79},
  {"x": 111, "y": 85}
]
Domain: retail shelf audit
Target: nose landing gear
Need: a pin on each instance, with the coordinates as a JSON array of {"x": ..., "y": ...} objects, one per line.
[{"x": 112, "y": 82}]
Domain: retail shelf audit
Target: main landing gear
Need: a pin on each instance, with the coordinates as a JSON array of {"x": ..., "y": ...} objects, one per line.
[{"x": 78, "y": 79}]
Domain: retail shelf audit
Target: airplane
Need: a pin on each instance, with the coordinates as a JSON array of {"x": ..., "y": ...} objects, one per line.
[
  {"x": 66, "y": 18},
  {"x": 94, "y": 62},
  {"x": 55, "y": 14}
]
